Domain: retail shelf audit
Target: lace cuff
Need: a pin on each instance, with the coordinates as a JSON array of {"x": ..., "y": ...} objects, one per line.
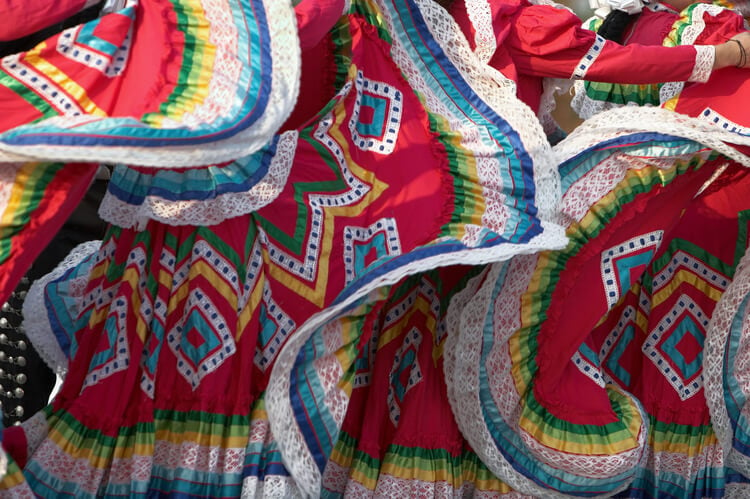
[{"x": 704, "y": 63}]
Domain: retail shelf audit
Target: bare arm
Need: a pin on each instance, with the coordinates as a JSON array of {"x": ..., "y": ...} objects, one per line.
[{"x": 733, "y": 53}]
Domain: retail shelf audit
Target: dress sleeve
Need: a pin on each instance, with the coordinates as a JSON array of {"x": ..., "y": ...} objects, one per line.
[
  {"x": 315, "y": 18},
  {"x": 24, "y": 17},
  {"x": 550, "y": 42}
]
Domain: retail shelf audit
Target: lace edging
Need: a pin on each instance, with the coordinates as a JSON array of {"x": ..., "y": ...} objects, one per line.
[
  {"x": 35, "y": 322},
  {"x": 548, "y": 103},
  {"x": 586, "y": 107},
  {"x": 714, "y": 351},
  {"x": 637, "y": 119},
  {"x": 480, "y": 16},
  {"x": 704, "y": 63},
  {"x": 210, "y": 212},
  {"x": 705, "y": 54}
]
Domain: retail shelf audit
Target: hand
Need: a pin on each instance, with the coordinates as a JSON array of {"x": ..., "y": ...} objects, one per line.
[{"x": 733, "y": 52}]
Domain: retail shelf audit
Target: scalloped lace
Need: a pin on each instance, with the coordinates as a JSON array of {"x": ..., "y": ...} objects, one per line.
[
  {"x": 714, "y": 350},
  {"x": 629, "y": 120},
  {"x": 35, "y": 322},
  {"x": 210, "y": 212},
  {"x": 467, "y": 310},
  {"x": 704, "y": 63}
]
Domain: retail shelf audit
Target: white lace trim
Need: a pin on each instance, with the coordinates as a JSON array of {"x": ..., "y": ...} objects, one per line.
[
  {"x": 629, "y": 120},
  {"x": 213, "y": 211},
  {"x": 713, "y": 358},
  {"x": 35, "y": 321},
  {"x": 498, "y": 92},
  {"x": 737, "y": 491},
  {"x": 36, "y": 430},
  {"x": 272, "y": 486},
  {"x": 398, "y": 487},
  {"x": 588, "y": 60},
  {"x": 480, "y": 16},
  {"x": 290, "y": 440},
  {"x": 704, "y": 63},
  {"x": 585, "y": 107}
]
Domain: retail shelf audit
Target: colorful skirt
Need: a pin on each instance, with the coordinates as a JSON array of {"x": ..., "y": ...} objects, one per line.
[
  {"x": 584, "y": 368},
  {"x": 382, "y": 302},
  {"x": 565, "y": 373}
]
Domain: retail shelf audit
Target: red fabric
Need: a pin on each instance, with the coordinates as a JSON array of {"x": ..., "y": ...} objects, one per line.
[
  {"x": 33, "y": 226},
  {"x": 148, "y": 79},
  {"x": 426, "y": 189},
  {"x": 315, "y": 18},
  {"x": 16, "y": 444},
  {"x": 578, "y": 306},
  {"x": 425, "y": 420},
  {"x": 317, "y": 80},
  {"x": 716, "y": 221},
  {"x": 151, "y": 75},
  {"x": 725, "y": 92},
  {"x": 23, "y": 17}
]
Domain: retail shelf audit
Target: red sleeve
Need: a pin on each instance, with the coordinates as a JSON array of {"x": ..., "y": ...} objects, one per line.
[
  {"x": 550, "y": 42},
  {"x": 315, "y": 18},
  {"x": 24, "y": 17}
]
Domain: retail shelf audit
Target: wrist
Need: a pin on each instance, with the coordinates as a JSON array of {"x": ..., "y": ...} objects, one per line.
[
  {"x": 742, "y": 60},
  {"x": 730, "y": 53}
]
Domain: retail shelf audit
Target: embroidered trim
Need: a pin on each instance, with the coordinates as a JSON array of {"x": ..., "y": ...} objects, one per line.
[
  {"x": 588, "y": 59},
  {"x": 724, "y": 123}
]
